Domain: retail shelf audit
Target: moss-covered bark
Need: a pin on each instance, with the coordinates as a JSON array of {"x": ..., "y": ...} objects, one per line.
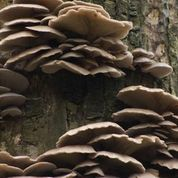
[{"x": 62, "y": 101}]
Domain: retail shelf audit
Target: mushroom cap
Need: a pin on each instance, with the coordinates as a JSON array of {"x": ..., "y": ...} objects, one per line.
[
  {"x": 6, "y": 31},
  {"x": 62, "y": 171},
  {"x": 149, "y": 98},
  {"x": 49, "y": 33},
  {"x": 139, "y": 52},
  {"x": 26, "y": 55},
  {"x": 19, "y": 39},
  {"x": 158, "y": 69},
  {"x": 133, "y": 116},
  {"x": 94, "y": 52},
  {"x": 56, "y": 65},
  {"x": 108, "y": 70},
  {"x": 43, "y": 58},
  {"x": 46, "y": 19},
  {"x": 126, "y": 145},
  {"x": 143, "y": 61},
  {"x": 8, "y": 171},
  {"x": 169, "y": 164},
  {"x": 71, "y": 54},
  {"x": 4, "y": 89},
  {"x": 11, "y": 111},
  {"x": 50, "y": 4},
  {"x": 65, "y": 46},
  {"x": 117, "y": 164},
  {"x": 16, "y": 11},
  {"x": 68, "y": 156},
  {"x": 84, "y": 134},
  {"x": 13, "y": 80},
  {"x": 17, "y": 161},
  {"x": 40, "y": 169},
  {"x": 96, "y": 171},
  {"x": 97, "y": 25},
  {"x": 77, "y": 41},
  {"x": 22, "y": 22},
  {"x": 11, "y": 99}
]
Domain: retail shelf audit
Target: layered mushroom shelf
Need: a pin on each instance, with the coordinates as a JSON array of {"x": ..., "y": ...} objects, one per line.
[
  {"x": 12, "y": 84},
  {"x": 73, "y": 35}
]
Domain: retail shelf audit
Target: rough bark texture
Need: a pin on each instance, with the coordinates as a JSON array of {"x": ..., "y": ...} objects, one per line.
[{"x": 63, "y": 101}]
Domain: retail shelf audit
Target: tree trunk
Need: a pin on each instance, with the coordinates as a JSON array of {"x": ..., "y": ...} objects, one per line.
[{"x": 59, "y": 102}]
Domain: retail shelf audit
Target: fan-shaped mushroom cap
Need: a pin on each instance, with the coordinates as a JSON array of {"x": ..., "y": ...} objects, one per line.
[
  {"x": 86, "y": 165},
  {"x": 149, "y": 98},
  {"x": 4, "y": 89},
  {"x": 96, "y": 171},
  {"x": 113, "y": 45},
  {"x": 141, "y": 129},
  {"x": 170, "y": 164},
  {"x": 69, "y": 55},
  {"x": 84, "y": 134},
  {"x": 117, "y": 164},
  {"x": 139, "y": 52},
  {"x": 40, "y": 169},
  {"x": 109, "y": 71},
  {"x": 56, "y": 65},
  {"x": 16, "y": 11},
  {"x": 167, "y": 124},
  {"x": 77, "y": 41},
  {"x": 11, "y": 111},
  {"x": 11, "y": 99},
  {"x": 62, "y": 171},
  {"x": 13, "y": 80},
  {"x": 97, "y": 25},
  {"x": 48, "y": 32},
  {"x": 50, "y": 4},
  {"x": 67, "y": 156},
  {"x": 125, "y": 145},
  {"x": 136, "y": 115},
  {"x": 173, "y": 147},
  {"x": 8, "y": 171},
  {"x": 19, "y": 39},
  {"x": 158, "y": 69},
  {"x": 26, "y": 55},
  {"x": 17, "y": 161},
  {"x": 22, "y": 22},
  {"x": 43, "y": 58},
  {"x": 65, "y": 46},
  {"x": 94, "y": 52}
]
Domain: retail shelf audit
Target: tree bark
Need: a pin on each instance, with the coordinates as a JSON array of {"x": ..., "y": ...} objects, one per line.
[{"x": 59, "y": 102}]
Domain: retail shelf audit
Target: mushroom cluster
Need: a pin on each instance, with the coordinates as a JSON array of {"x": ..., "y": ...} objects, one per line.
[
  {"x": 148, "y": 63},
  {"x": 74, "y": 35},
  {"x": 94, "y": 150},
  {"x": 152, "y": 112},
  {"x": 54, "y": 35},
  {"x": 12, "y": 84}
]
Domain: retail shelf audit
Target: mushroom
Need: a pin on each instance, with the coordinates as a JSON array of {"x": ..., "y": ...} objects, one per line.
[
  {"x": 67, "y": 156},
  {"x": 4, "y": 89},
  {"x": 99, "y": 24},
  {"x": 11, "y": 111},
  {"x": 96, "y": 171},
  {"x": 117, "y": 164},
  {"x": 84, "y": 134},
  {"x": 63, "y": 172},
  {"x": 139, "y": 52},
  {"x": 149, "y": 98},
  {"x": 16, "y": 11},
  {"x": 13, "y": 81},
  {"x": 40, "y": 169}
]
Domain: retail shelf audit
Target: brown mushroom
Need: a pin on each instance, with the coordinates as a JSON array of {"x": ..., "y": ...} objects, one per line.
[
  {"x": 11, "y": 111},
  {"x": 139, "y": 52},
  {"x": 4, "y": 89},
  {"x": 84, "y": 134},
  {"x": 96, "y": 171},
  {"x": 16, "y": 11}
]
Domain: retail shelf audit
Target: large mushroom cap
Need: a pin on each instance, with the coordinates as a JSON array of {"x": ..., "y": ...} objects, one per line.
[
  {"x": 84, "y": 134},
  {"x": 97, "y": 25},
  {"x": 11, "y": 99},
  {"x": 117, "y": 164},
  {"x": 50, "y": 4},
  {"x": 149, "y": 98},
  {"x": 67, "y": 156},
  {"x": 13, "y": 80},
  {"x": 16, "y": 11}
]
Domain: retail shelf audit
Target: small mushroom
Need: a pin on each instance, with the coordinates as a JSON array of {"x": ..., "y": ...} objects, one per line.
[
  {"x": 6, "y": 31},
  {"x": 11, "y": 111},
  {"x": 84, "y": 134},
  {"x": 40, "y": 169},
  {"x": 4, "y": 89},
  {"x": 139, "y": 52},
  {"x": 96, "y": 171},
  {"x": 16, "y": 11}
]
